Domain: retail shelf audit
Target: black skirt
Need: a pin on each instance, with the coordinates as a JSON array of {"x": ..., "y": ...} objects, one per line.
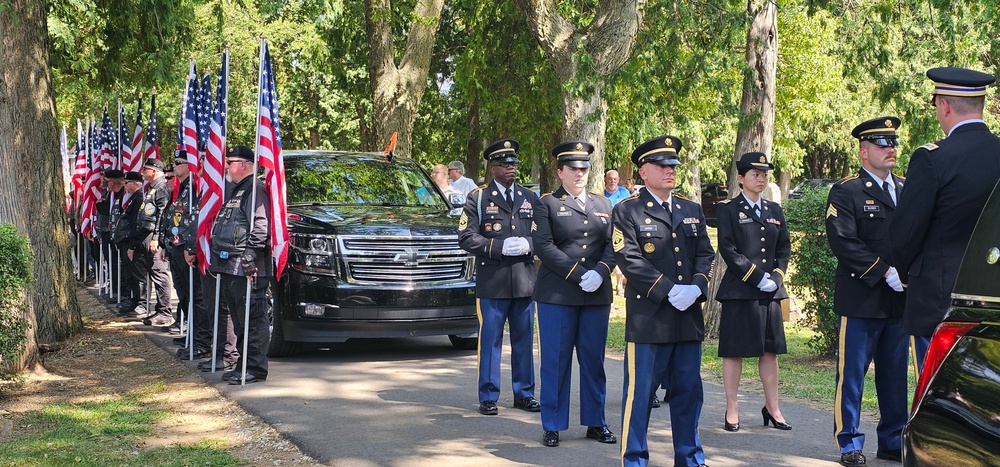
[{"x": 748, "y": 328}]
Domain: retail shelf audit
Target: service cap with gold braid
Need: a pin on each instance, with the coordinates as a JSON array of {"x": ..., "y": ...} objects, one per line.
[
  {"x": 661, "y": 150},
  {"x": 961, "y": 82},
  {"x": 503, "y": 151},
  {"x": 573, "y": 154},
  {"x": 753, "y": 160},
  {"x": 878, "y": 131}
]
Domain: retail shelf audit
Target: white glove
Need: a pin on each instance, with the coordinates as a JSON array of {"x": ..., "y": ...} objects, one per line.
[
  {"x": 892, "y": 278},
  {"x": 515, "y": 246},
  {"x": 766, "y": 284},
  {"x": 683, "y": 296},
  {"x": 591, "y": 281}
]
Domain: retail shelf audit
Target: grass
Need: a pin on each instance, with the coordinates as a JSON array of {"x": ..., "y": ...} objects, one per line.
[{"x": 105, "y": 432}]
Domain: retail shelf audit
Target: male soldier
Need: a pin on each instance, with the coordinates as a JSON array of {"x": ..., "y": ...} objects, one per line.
[
  {"x": 496, "y": 227},
  {"x": 176, "y": 220},
  {"x": 123, "y": 217},
  {"x": 869, "y": 295},
  {"x": 662, "y": 247},
  {"x": 947, "y": 185},
  {"x": 241, "y": 255},
  {"x": 149, "y": 265}
]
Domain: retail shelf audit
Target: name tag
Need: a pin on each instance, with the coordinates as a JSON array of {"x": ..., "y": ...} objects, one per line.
[
  {"x": 871, "y": 208},
  {"x": 494, "y": 209},
  {"x": 647, "y": 228},
  {"x": 602, "y": 214},
  {"x": 746, "y": 221},
  {"x": 563, "y": 213}
]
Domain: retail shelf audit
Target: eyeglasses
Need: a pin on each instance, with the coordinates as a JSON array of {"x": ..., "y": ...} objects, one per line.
[
  {"x": 505, "y": 164},
  {"x": 233, "y": 161},
  {"x": 884, "y": 141},
  {"x": 451, "y": 169}
]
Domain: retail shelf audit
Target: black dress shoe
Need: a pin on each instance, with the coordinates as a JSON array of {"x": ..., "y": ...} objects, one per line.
[
  {"x": 656, "y": 401},
  {"x": 731, "y": 426},
  {"x": 251, "y": 378},
  {"x": 230, "y": 373},
  {"x": 528, "y": 404},
  {"x": 488, "y": 408},
  {"x": 853, "y": 458},
  {"x": 550, "y": 439},
  {"x": 602, "y": 434},
  {"x": 179, "y": 340},
  {"x": 890, "y": 455},
  {"x": 666, "y": 396},
  {"x": 768, "y": 418},
  {"x": 199, "y": 352},
  {"x": 220, "y": 365}
]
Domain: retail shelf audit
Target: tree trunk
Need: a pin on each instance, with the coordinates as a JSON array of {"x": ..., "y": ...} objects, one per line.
[
  {"x": 397, "y": 90},
  {"x": 31, "y": 174},
  {"x": 474, "y": 146},
  {"x": 756, "y": 127},
  {"x": 608, "y": 41}
]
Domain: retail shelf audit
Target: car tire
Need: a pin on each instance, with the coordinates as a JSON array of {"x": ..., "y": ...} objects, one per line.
[
  {"x": 464, "y": 343},
  {"x": 279, "y": 347}
]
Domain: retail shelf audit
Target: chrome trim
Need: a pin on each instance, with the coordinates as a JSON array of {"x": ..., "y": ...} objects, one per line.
[{"x": 975, "y": 298}]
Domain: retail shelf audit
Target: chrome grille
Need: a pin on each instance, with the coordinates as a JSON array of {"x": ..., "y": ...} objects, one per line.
[{"x": 408, "y": 260}]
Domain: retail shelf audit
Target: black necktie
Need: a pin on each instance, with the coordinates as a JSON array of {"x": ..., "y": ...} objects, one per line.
[
  {"x": 756, "y": 210},
  {"x": 510, "y": 198},
  {"x": 885, "y": 186},
  {"x": 666, "y": 205}
]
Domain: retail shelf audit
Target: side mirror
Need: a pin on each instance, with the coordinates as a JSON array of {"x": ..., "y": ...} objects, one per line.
[{"x": 457, "y": 199}]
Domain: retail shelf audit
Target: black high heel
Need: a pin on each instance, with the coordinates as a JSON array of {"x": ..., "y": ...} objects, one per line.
[
  {"x": 731, "y": 426},
  {"x": 768, "y": 418}
]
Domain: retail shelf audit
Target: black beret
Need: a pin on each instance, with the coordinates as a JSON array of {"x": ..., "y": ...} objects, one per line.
[
  {"x": 753, "y": 160},
  {"x": 661, "y": 150},
  {"x": 114, "y": 174},
  {"x": 573, "y": 153},
  {"x": 133, "y": 177},
  {"x": 962, "y": 82},
  {"x": 240, "y": 152},
  {"x": 504, "y": 150},
  {"x": 180, "y": 157},
  {"x": 154, "y": 163},
  {"x": 169, "y": 168}
]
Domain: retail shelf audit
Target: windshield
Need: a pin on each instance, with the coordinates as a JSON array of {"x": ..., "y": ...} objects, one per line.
[{"x": 358, "y": 180}]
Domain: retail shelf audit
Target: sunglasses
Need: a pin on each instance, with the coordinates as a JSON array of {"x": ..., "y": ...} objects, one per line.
[
  {"x": 233, "y": 161},
  {"x": 883, "y": 141}
]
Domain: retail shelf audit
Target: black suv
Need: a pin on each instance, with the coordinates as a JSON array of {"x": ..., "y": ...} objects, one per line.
[
  {"x": 956, "y": 409},
  {"x": 374, "y": 253}
]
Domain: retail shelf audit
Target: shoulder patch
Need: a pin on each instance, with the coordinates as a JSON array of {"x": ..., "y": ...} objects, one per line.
[
  {"x": 900, "y": 177},
  {"x": 725, "y": 201},
  {"x": 849, "y": 178},
  {"x": 930, "y": 146},
  {"x": 682, "y": 197},
  {"x": 544, "y": 195},
  {"x": 630, "y": 198}
]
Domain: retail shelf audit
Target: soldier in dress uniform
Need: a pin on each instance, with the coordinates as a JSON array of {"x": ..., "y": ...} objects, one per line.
[
  {"x": 662, "y": 247},
  {"x": 149, "y": 264},
  {"x": 496, "y": 227},
  {"x": 947, "y": 185},
  {"x": 754, "y": 243},
  {"x": 869, "y": 294},
  {"x": 572, "y": 238},
  {"x": 123, "y": 217}
]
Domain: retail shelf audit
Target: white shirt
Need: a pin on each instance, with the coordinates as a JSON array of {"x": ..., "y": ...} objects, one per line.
[
  {"x": 888, "y": 179},
  {"x": 963, "y": 122},
  {"x": 464, "y": 185}
]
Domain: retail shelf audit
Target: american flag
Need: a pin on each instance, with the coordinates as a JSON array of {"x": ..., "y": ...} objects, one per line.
[
  {"x": 132, "y": 152},
  {"x": 80, "y": 168},
  {"x": 269, "y": 157},
  {"x": 205, "y": 111},
  {"x": 106, "y": 137},
  {"x": 91, "y": 189},
  {"x": 63, "y": 158},
  {"x": 152, "y": 148},
  {"x": 189, "y": 106},
  {"x": 213, "y": 180}
]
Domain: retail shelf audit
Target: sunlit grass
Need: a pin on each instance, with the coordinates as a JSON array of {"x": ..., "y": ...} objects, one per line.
[{"x": 102, "y": 433}]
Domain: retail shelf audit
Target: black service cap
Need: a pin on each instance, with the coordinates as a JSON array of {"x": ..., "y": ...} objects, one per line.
[{"x": 573, "y": 153}]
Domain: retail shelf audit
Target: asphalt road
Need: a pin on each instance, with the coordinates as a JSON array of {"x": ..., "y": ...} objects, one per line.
[{"x": 412, "y": 402}]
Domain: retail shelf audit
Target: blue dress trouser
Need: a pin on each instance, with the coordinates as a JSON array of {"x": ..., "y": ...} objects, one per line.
[
  {"x": 560, "y": 329},
  {"x": 646, "y": 366},
  {"x": 861, "y": 341},
  {"x": 492, "y": 314}
]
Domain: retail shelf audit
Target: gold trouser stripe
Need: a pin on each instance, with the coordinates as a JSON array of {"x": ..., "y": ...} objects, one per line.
[
  {"x": 629, "y": 396},
  {"x": 657, "y": 281},
  {"x": 752, "y": 267},
  {"x": 606, "y": 265},
  {"x": 870, "y": 267},
  {"x": 571, "y": 270},
  {"x": 479, "y": 341},
  {"x": 913, "y": 357},
  {"x": 838, "y": 413}
]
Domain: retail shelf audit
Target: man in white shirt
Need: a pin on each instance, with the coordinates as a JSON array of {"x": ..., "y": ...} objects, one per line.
[{"x": 458, "y": 180}]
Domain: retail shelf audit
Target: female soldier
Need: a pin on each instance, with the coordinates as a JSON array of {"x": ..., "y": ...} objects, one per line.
[
  {"x": 572, "y": 237},
  {"x": 753, "y": 241}
]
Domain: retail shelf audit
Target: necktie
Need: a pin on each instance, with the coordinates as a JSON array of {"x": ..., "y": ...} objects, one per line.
[
  {"x": 885, "y": 186},
  {"x": 510, "y": 198},
  {"x": 580, "y": 202},
  {"x": 666, "y": 205},
  {"x": 756, "y": 210}
]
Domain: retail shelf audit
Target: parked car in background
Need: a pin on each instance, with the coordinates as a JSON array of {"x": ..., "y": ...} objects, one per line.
[
  {"x": 374, "y": 253},
  {"x": 711, "y": 195},
  {"x": 955, "y": 418},
  {"x": 808, "y": 185}
]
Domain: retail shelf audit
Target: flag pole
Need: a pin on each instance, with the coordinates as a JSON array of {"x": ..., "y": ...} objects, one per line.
[{"x": 225, "y": 123}]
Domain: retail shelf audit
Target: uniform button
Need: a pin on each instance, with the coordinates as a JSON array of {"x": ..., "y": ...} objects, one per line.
[
  {"x": 676, "y": 249},
  {"x": 585, "y": 247},
  {"x": 871, "y": 215},
  {"x": 586, "y": 222},
  {"x": 513, "y": 227},
  {"x": 585, "y": 234},
  {"x": 680, "y": 278},
  {"x": 680, "y": 263},
  {"x": 763, "y": 261},
  {"x": 638, "y": 296},
  {"x": 852, "y": 274},
  {"x": 763, "y": 250},
  {"x": 649, "y": 234},
  {"x": 762, "y": 239},
  {"x": 583, "y": 259},
  {"x": 762, "y": 228},
  {"x": 674, "y": 234}
]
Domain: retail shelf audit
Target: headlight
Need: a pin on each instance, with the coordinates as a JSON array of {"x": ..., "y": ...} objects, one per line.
[{"x": 317, "y": 253}]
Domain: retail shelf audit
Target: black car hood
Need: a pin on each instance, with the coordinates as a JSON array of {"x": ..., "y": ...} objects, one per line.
[{"x": 370, "y": 220}]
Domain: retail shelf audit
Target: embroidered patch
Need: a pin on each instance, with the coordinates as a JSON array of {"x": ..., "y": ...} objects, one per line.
[
  {"x": 463, "y": 222},
  {"x": 831, "y": 211},
  {"x": 617, "y": 240}
]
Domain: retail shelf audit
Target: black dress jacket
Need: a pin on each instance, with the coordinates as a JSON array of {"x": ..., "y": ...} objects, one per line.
[{"x": 752, "y": 245}]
